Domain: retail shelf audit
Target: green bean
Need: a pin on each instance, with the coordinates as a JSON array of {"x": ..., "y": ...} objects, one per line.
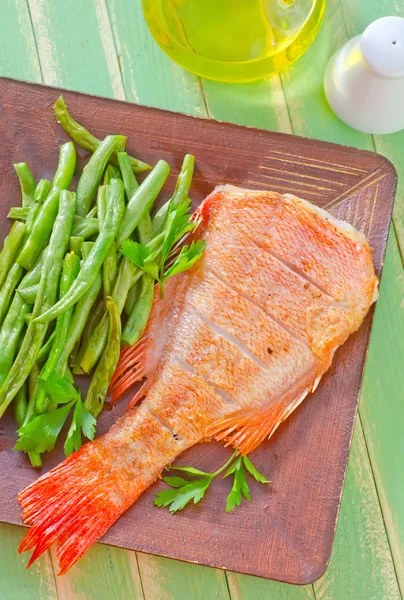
[
  {"x": 128, "y": 275},
  {"x": 109, "y": 266},
  {"x": 28, "y": 294},
  {"x": 20, "y": 405},
  {"x": 129, "y": 178},
  {"x": 27, "y": 183},
  {"x": 102, "y": 202},
  {"x": 92, "y": 322},
  {"x": 180, "y": 193},
  {"x": 145, "y": 229},
  {"x": 46, "y": 296},
  {"x": 84, "y": 138},
  {"x": 19, "y": 213},
  {"x": 71, "y": 268},
  {"x": 10, "y": 333},
  {"x": 79, "y": 318},
  {"x": 94, "y": 261},
  {"x": 41, "y": 191},
  {"x": 8, "y": 289},
  {"x": 92, "y": 172},
  {"x": 137, "y": 321},
  {"x": 76, "y": 243},
  {"x": 34, "y": 457},
  {"x": 43, "y": 225},
  {"x": 33, "y": 276},
  {"x": 109, "y": 269},
  {"x": 91, "y": 214},
  {"x": 86, "y": 228},
  {"x": 10, "y": 249},
  {"x": 28, "y": 317},
  {"x": 131, "y": 298},
  {"x": 46, "y": 348},
  {"x": 111, "y": 172},
  {"x": 142, "y": 200},
  {"x": 40, "y": 196},
  {"x": 101, "y": 379}
]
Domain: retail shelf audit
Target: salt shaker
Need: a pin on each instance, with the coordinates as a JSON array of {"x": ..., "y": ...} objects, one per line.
[{"x": 364, "y": 80}]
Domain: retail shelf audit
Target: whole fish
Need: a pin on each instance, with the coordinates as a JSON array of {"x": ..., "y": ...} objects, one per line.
[{"x": 235, "y": 346}]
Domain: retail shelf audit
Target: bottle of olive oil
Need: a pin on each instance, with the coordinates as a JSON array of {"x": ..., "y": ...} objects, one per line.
[{"x": 234, "y": 40}]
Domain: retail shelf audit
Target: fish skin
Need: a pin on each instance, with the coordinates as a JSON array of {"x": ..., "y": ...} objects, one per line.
[{"x": 231, "y": 351}]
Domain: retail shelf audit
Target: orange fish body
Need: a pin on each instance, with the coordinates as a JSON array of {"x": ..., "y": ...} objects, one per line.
[{"x": 232, "y": 350}]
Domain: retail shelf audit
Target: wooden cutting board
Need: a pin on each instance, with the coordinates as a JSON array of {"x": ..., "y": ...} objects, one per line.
[{"x": 287, "y": 530}]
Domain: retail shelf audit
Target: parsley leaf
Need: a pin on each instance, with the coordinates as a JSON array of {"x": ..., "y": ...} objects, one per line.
[
  {"x": 186, "y": 258},
  {"x": 253, "y": 471},
  {"x": 142, "y": 257},
  {"x": 178, "y": 223},
  {"x": 82, "y": 421},
  {"x": 59, "y": 389},
  {"x": 40, "y": 434},
  {"x": 186, "y": 490},
  {"x": 179, "y": 497},
  {"x": 240, "y": 486}
]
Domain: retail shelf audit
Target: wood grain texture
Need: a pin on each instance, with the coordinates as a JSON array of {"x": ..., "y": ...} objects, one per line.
[
  {"x": 361, "y": 565},
  {"x": 149, "y": 76},
  {"x": 245, "y": 587},
  {"x": 16, "y": 583},
  {"x": 381, "y": 404},
  {"x": 105, "y": 573},
  {"x": 170, "y": 579},
  {"x": 288, "y": 529},
  {"x": 76, "y": 47}
]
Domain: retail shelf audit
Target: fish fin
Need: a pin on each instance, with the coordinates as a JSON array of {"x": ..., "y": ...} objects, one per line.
[
  {"x": 246, "y": 430},
  {"x": 73, "y": 506},
  {"x": 139, "y": 362}
]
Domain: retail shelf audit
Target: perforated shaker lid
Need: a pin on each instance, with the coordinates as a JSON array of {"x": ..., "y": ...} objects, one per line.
[{"x": 382, "y": 46}]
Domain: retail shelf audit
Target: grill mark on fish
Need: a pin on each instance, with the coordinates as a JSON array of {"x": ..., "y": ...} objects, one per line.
[
  {"x": 229, "y": 337},
  {"x": 162, "y": 422},
  {"x": 257, "y": 305},
  {"x": 294, "y": 268},
  {"x": 188, "y": 367}
]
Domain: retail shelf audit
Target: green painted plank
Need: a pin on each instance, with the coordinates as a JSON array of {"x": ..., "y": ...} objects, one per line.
[
  {"x": 361, "y": 566},
  {"x": 104, "y": 573},
  {"x": 165, "y": 579},
  {"x": 75, "y": 46},
  {"x": 382, "y": 409},
  {"x": 16, "y": 582},
  {"x": 245, "y": 587},
  {"x": 257, "y": 104},
  {"x": 18, "y": 55},
  {"x": 303, "y": 86},
  {"x": 149, "y": 76}
]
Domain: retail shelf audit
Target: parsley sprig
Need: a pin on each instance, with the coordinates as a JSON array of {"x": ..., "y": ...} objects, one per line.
[
  {"x": 184, "y": 491},
  {"x": 40, "y": 434},
  {"x": 178, "y": 223}
]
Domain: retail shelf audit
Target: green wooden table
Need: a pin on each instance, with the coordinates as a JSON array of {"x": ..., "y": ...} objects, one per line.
[{"x": 103, "y": 47}]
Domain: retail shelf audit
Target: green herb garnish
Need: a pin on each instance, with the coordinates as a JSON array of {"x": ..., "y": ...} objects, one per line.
[
  {"x": 40, "y": 434},
  {"x": 178, "y": 223},
  {"x": 185, "y": 490}
]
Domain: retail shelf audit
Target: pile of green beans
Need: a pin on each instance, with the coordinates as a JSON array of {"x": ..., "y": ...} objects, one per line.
[{"x": 68, "y": 298}]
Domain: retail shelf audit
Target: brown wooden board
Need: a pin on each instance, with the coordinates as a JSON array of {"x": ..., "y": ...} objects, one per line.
[{"x": 286, "y": 532}]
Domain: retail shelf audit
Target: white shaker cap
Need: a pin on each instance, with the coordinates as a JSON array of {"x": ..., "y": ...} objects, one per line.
[{"x": 382, "y": 46}]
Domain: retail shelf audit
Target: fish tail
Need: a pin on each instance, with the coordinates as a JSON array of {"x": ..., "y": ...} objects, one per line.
[{"x": 73, "y": 506}]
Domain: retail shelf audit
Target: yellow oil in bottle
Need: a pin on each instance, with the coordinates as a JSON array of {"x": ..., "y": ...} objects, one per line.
[{"x": 234, "y": 40}]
